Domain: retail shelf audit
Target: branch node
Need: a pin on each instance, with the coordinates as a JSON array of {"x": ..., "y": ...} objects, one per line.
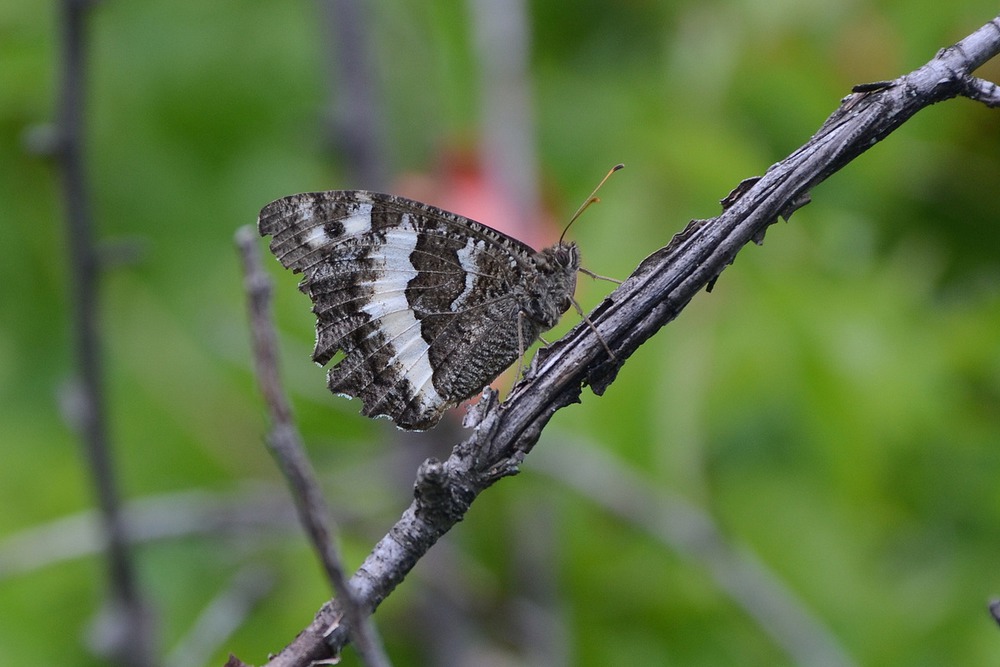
[
  {"x": 794, "y": 205},
  {"x": 477, "y": 412},
  {"x": 44, "y": 140},
  {"x": 741, "y": 189},
  {"x": 437, "y": 495},
  {"x": 981, "y": 90}
]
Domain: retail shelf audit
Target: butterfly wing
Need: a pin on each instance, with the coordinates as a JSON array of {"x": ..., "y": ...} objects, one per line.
[{"x": 425, "y": 305}]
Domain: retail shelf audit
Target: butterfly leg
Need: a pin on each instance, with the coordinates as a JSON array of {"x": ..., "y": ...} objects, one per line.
[
  {"x": 597, "y": 276},
  {"x": 593, "y": 328},
  {"x": 520, "y": 344}
]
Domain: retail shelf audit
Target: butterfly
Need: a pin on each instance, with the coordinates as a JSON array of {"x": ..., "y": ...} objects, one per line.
[{"x": 420, "y": 308}]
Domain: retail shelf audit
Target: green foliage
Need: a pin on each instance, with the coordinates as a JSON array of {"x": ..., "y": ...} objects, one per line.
[{"x": 834, "y": 402}]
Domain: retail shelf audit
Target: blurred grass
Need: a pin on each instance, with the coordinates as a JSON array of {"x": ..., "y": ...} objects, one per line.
[{"x": 835, "y": 402}]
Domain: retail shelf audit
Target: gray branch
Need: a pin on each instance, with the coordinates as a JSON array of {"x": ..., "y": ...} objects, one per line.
[
  {"x": 128, "y": 631},
  {"x": 692, "y": 533},
  {"x": 983, "y": 91},
  {"x": 355, "y": 120},
  {"x": 653, "y": 295},
  {"x": 286, "y": 446}
]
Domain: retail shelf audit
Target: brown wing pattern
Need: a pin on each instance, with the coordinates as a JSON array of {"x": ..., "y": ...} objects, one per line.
[{"x": 424, "y": 304}]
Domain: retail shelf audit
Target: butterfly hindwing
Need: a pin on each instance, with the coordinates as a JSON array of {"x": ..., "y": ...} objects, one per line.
[{"x": 427, "y": 306}]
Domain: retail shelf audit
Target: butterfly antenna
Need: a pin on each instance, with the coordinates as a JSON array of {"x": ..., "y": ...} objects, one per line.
[{"x": 592, "y": 199}]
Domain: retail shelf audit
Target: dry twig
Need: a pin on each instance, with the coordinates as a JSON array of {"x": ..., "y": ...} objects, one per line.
[
  {"x": 285, "y": 444},
  {"x": 126, "y": 629}
]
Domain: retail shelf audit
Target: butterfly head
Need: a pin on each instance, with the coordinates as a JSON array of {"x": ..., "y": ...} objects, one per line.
[{"x": 550, "y": 295}]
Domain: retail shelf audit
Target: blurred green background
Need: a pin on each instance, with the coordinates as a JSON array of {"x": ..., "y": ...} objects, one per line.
[{"x": 833, "y": 405}]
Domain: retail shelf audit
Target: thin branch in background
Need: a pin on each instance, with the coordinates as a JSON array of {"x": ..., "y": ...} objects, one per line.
[
  {"x": 656, "y": 292},
  {"x": 692, "y": 533},
  {"x": 356, "y": 123},
  {"x": 286, "y": 446},
  {"x": 221, "y": 617},
  {"x": 254, "y": 510},
  {"x": 502, "y": 40},
  {"x": 130, "y": 631},
  {"x": 536, "y": 614},
  {"x": 260, "y": 511}
]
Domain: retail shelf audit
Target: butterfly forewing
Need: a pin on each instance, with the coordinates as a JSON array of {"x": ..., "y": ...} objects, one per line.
[{"x": 427, "y": 306}]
